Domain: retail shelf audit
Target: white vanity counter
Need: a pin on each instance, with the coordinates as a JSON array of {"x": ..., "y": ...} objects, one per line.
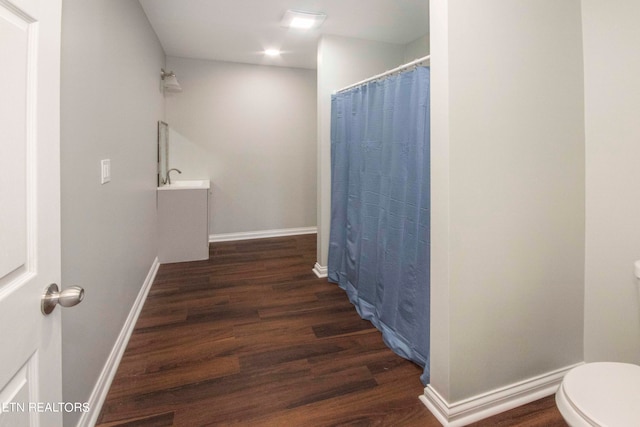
[
  {"x": 183, "y": 221},
  {"x": 186, "y": 185}
]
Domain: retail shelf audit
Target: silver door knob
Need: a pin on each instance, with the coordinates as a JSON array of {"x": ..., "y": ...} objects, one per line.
[{"x": 67, "y": 298}]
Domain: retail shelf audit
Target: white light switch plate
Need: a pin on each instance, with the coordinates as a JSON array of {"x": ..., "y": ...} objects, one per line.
[{"x": 105, "y": 168}]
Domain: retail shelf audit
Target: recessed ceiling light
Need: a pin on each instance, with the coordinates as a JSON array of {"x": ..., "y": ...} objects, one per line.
[
  {"x": 272, "y": 52},
  {"x": 302, "y": 20},
  {"x": 302, "y": 23}
]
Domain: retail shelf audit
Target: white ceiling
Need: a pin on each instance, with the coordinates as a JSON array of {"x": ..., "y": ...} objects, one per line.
[{"x": 240, "y": 30}]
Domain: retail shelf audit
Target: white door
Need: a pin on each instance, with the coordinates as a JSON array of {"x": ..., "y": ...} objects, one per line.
[{"x": 30, "y": 378}]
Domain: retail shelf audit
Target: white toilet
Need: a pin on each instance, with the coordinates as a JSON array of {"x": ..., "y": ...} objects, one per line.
[{"x": 605, "y": 394}]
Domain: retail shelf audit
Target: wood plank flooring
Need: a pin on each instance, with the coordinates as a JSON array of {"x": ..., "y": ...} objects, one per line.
[{"x": 252, "y": 338}]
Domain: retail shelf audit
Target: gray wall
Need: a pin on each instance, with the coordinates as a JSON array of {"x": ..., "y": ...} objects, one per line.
[
  {"x": 111, "y": 101},
  {"x": 612, "y": 104},
  {"x": 251, "y": 130},
  {"x": 343, "y": 61},
  {"x": 507, "y": 193},
  {"x": 417, "y": 48}
]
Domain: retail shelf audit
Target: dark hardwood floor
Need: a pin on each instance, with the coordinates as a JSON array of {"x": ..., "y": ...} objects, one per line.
[{"x": 252, "y": 338}]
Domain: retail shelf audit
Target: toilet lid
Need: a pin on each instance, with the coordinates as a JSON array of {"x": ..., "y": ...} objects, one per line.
[{"x": 605, "y": 393}]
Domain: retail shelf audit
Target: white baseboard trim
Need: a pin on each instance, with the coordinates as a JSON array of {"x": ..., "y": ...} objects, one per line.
[
  {"x": 494, "y": 402},
  {"x": 320, "y": 271},
  {"x": 265, "y": 234},
  {"x": 99, "y": 393}
]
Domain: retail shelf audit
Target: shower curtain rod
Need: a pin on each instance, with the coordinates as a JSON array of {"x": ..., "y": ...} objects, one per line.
[{"x": 386, "y": 73}]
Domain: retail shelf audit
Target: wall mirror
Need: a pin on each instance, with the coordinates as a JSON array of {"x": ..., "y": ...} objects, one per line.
[{"x": 163, "y": 151}]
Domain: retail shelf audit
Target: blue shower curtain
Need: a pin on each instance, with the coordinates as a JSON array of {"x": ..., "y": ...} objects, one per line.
[{"x": 380, "y": 201}]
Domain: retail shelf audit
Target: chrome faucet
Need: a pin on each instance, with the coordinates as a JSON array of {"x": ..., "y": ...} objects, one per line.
[{"x": 167, "y": 180}]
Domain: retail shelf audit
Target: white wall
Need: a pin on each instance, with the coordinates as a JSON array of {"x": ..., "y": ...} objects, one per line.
[
  {"x": 507, "y": 193},
  {"x": 612, "y": 113},
  {"x": 111, "y": 102},
  {"x": 251, "y": 130},
  {"x": 439, "y": 359},
  {"x": 341, "y": 62}
]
